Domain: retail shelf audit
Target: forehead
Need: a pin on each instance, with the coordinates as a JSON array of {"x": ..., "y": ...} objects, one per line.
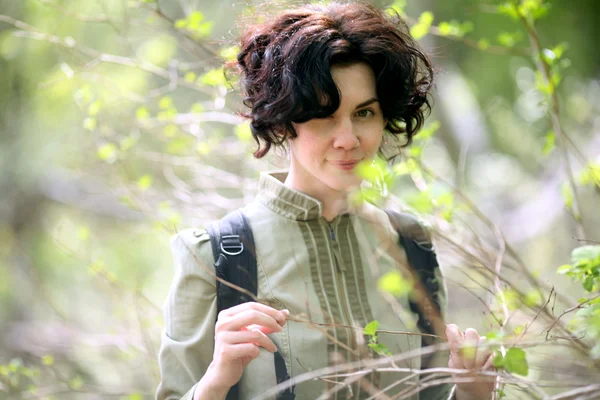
[{"x": 356, "y": 81}]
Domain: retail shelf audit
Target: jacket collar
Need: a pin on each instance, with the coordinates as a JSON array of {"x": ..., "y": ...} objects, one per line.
[{"x": 286, "y": 201}]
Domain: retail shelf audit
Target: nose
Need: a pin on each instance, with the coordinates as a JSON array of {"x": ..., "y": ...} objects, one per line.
[{"x": 345, "y": 137}]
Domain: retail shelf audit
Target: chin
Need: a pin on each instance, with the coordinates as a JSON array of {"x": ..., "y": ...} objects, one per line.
[{"x": 346, "y": 185}]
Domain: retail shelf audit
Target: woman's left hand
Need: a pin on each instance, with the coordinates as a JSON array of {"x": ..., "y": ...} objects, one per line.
[{"x": 466, "y": 352}]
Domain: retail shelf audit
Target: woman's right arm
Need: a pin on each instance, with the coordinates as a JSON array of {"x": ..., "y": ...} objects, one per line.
[{"x": 198, "y": 359}]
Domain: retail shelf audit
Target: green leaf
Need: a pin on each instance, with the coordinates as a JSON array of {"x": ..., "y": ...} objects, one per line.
[
  {"x": 142, "y": 113},
  {"x": 194, "y": 19},
  {"x": 507, "y": 39},
  {"x": 585, "y": 253},
  {"x": 590, "y": 174},
  {"x": 181, "y": 23},
  {"x": 127, "y": 142},
  {"x": 197, "y": 108},
  {"x": 509, "y": 9},
  {"x": 380, "y": 349},
  {"x": 397, "y": 7},
  {"x": 421, "y": 28},
  {"x": 84, "y": 234},
  {"x": 203, "y": 148},
  {"x": 483, "y": 44},
  {"x": 494, "y": 336},
  {"x": 108, "y": 152},
  {"x": 47, "y": 360},
  {"x": 511, "y": 298},
  {"x": 190, "y": 77},
  {"x": 428, "y": 130},
  {"x": 215, "y": 77},
  {"x": 519, "y": 329},
  {"x": 144, "y": 182},
  {"x": 533, "y": 298},
  {"x": 588, "y": 283},
  {"x": 158, "y": 50},
  {"x": 94, "y": 108},
  {"x": 515, "y": 361},
  {"x": 445, "y": 29},
  {"x": 229, "y": 53},
  {"x": 371, "y": 328},
  {"x": 403, "y": 168},
  {"x": 243, "y": 132},
  {"x": 204, "y": 30},
  {"x": 422, "y": 202},
  {"x": 76, "y": 383},
  {"x": 393, "y": 282},
  {"x": 171, "y": 130},
  {"x": 498, "y": 359},
  {"x": 567, "y": 195},
  {"x": 90, "y": 124},
  {"x": 165, "y": 103},
  {"x": 549, "y": 143}
]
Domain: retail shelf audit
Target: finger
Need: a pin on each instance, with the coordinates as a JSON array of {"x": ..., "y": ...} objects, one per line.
[
  {"x": 260, "y": 328},
  {"x": 483, "y": 353},
  {"x": 469, "y": 350},
  {"x": 453, "y": 364},
  {"x": 247, "y": 317},
  {"x": 232, "y": 352},
  {"x": 279, "y": 316},
  {"x": 256, "y": 338},
  {"x": 489, "y": 363},
  {"x": 455, "y": 341}
]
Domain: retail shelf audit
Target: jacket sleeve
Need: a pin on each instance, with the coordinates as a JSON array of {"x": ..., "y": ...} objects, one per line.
[{"x": 190, "y": 312}]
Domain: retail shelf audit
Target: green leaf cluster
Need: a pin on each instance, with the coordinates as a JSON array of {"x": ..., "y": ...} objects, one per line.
[
  {"x": 455, "y": 28},
  {"x": 195, "y": 25},
  {"x": 421, "y": 28},
  {"x": 590, "y": 174},
  {"x": 584, "y": 267},
  {"x": 514, "y": 361},
  {"x": 370, "y": 330},
  {"x": 379, "y": 175},
  {"x": 16, "y": 375},
  {"x": 533, "y": 9},
  {"x": 395, "y": 283}
]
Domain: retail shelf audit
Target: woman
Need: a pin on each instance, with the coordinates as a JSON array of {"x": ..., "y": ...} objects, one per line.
[{"x": 334, "y": 83}]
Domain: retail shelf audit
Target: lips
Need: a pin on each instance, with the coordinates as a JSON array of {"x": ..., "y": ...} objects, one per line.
[{"x": 345, "y": 164}]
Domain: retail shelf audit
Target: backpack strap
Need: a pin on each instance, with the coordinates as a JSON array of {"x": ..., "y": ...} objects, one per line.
[
  {"x": 235, "y": 262},
  {"x": 416, "y": 242}
]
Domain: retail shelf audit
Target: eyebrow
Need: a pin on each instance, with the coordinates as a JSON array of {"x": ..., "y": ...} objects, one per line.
[{"x": 366, "y": 103}]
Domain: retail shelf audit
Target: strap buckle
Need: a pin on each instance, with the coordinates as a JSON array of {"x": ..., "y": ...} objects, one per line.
[{"x": 233, "y": 244}]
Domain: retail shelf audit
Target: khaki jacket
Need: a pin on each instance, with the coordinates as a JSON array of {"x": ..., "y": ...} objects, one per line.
[{"x": 323, "y": 272}]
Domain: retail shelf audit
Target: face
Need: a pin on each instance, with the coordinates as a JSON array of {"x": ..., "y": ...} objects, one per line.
[{"x": 326, "y": 150}]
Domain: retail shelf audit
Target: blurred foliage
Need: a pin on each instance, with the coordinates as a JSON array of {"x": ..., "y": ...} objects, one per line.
[{"x": 119, "y": 128}]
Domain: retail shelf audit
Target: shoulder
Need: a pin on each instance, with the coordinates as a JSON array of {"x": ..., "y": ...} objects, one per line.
[
  {"x": 411, "y": 226},
  {"x": 378, "y": 224},
  {"x": 192, "y": 253}
]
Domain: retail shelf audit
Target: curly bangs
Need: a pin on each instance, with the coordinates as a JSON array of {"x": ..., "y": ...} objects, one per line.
[{"x": 285, "y": 66}]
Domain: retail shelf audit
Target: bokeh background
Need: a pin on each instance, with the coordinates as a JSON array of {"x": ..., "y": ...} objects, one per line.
[{"x": 117, "y": 129}]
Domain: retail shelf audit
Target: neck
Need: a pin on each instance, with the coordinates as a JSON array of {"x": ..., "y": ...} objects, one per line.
[{"x": 334, "y": 202}]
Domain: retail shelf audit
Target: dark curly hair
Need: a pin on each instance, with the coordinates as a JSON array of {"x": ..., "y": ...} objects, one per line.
[{"x": 285, "y": 67}]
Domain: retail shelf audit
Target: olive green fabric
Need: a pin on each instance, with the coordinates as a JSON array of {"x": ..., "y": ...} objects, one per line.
[{"x": 324, "y": 272}]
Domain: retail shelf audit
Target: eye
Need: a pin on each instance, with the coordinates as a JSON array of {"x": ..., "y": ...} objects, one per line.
[{"x": 364, "y": 113}]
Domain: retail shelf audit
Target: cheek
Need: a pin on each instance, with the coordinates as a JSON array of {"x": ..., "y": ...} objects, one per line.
[
  {"x": 309, "y": 148},
  {"x": 373, "y": 140}
]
